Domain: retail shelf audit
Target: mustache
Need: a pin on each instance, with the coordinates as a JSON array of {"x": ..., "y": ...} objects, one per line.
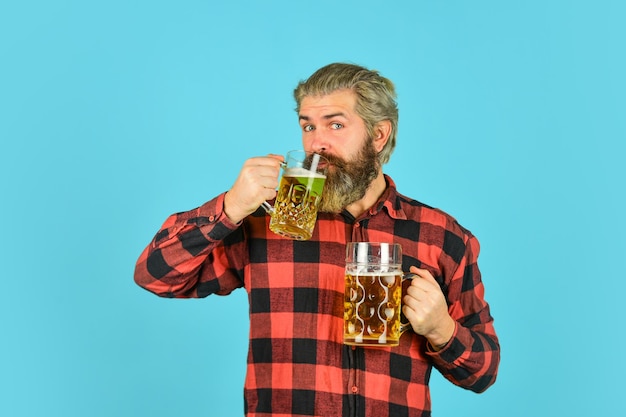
[{"x": 334, "y": 161}]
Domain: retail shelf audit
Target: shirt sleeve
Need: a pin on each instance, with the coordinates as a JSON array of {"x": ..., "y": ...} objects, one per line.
[
  {"x": 471, "y": 358},
  {"x": 195, "y": 253}
]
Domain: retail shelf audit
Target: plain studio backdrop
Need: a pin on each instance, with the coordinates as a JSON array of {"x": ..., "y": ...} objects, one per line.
[{"x": 115, "y": 114}]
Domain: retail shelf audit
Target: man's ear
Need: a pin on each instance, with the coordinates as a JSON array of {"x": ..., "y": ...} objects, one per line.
[{"x": 382, "y": 131}]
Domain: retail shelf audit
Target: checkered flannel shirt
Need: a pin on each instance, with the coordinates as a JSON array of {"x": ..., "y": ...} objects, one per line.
[{"x": 297, "y": 363}]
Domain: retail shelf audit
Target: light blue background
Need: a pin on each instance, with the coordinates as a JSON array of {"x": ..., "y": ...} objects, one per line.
[{"x": 115, "y": 114}]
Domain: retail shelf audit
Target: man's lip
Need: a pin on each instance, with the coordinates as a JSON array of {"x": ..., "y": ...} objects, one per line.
[{"x": 323, "y": 162}]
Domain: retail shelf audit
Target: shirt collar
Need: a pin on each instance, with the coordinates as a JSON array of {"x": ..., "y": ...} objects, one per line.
[{"x": 390, "y": 201}]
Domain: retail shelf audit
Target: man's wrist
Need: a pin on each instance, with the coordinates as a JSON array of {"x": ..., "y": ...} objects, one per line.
[
  {"x": 441, "y": 339},
  {"x": 230, "y": 210}
]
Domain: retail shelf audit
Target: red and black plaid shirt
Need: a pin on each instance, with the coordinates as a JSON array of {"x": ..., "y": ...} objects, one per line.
[{"x": 297, "y": 363}]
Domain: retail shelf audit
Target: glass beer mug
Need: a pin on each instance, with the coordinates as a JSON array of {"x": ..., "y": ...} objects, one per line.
[
  {"x": 373, "y": 294},
  {"x": 298, "y": 195}
]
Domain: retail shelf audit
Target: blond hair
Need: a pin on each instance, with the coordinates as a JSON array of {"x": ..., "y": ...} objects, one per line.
[{"x": 375, "y": 96}]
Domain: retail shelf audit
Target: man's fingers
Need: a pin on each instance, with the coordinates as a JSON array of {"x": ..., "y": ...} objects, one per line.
[{"x": 426, "y": 278}]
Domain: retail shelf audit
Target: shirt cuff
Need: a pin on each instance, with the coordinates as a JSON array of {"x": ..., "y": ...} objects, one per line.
[
  {"x": 213, "y": 213},
  {"x": 432, "y": 352}
]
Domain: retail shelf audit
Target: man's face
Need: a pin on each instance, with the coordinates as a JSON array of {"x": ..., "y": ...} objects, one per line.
[{"x": 331, "y": 127}]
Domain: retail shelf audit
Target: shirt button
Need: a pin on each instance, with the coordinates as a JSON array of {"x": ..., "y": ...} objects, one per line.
[
  {"x": 355, "y": 389},
  {"x": 211, "y": 219}
]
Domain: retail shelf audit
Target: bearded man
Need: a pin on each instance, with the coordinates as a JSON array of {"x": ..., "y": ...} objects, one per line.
[{"x": 298, "y": 364}]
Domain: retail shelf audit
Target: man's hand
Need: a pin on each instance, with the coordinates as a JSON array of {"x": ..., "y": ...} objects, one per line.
[
  {"x": 426, "y": 309},
  {"x": 257, "y": 182}
]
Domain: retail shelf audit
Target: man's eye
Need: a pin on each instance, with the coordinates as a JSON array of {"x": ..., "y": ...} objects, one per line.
[
  {"x": 307, "y": 128},
  {"x": 336, "y": 126}
]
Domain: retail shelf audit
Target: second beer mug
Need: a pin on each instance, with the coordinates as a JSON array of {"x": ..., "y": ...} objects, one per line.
[
  {"x": 299, "y": 193},
  {"x": 373, "y": 294}
]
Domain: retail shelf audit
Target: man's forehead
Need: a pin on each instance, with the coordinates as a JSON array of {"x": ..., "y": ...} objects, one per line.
[{"x": 340, "y": 101}]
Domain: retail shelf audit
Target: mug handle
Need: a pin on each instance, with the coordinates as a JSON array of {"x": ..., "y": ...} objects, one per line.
[
  {"x": 267, "y": 206},
  {"x": 405, "y": 325}
]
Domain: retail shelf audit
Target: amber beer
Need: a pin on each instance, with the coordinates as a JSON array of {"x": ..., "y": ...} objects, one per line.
[
  {"x": 373, "y": 294},
  {"x": 295, "y": 209},
  {"x": 372, "y": 308}
]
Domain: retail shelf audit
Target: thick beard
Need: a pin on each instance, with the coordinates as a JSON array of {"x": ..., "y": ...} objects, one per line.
[{"x": 347, "y": 181}]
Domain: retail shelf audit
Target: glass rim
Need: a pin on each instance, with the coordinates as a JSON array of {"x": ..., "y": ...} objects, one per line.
[{"x": 368, "y": 253}]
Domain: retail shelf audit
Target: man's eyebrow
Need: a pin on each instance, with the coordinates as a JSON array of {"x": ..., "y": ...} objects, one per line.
[
  {"x": 327, "y": 116},
  {"x": 330, "y": 116}
]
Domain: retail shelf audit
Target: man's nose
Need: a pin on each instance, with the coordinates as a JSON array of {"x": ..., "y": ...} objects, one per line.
[{"x": 319, "y": 142}]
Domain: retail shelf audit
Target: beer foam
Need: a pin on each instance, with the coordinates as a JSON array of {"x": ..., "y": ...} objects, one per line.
[
  {"x": 358, "y": 273},
  {"x": 301, "y": 172}
]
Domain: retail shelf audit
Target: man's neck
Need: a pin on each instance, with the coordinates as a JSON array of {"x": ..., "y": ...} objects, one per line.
[{"x": 373, "y": 193}]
